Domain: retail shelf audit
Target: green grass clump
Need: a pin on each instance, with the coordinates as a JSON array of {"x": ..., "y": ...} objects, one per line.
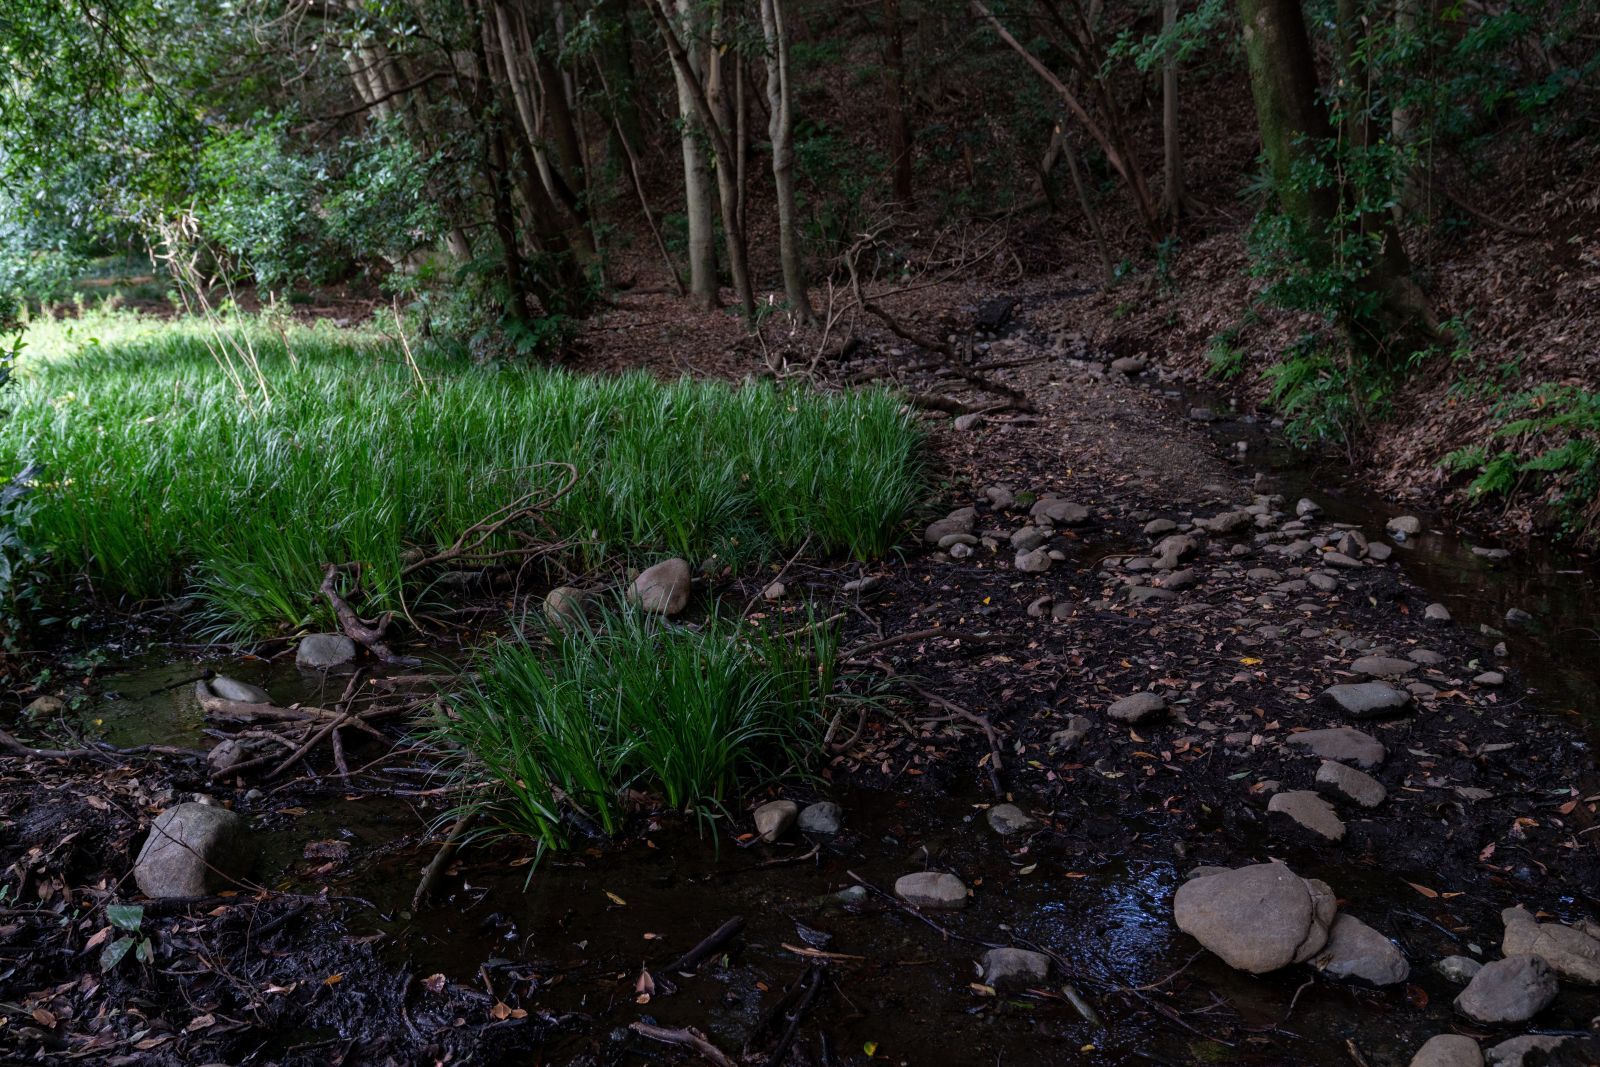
[
  {"x": 158, "y": 470},
  {"x": 575, "y": 720}
]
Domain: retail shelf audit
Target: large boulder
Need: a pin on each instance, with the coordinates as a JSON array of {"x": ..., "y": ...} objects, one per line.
[
  {"x": 324, "y": 652},
  {"x": 1570, "y": 952},
  {"x": 1512, "y": 990},
  {"x": 663, "y": 588},
  {"x": 1257, "y": 918},
  {"x": 1355, "y": 950},
  {"x": 192, "y": 850}
]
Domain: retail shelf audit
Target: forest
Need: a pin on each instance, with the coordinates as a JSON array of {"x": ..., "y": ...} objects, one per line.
[{"x": 799, "y": 532}]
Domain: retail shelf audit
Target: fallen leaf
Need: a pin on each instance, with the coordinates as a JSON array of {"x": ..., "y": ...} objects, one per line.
[
  {"x": 1431, "y": 894},
  {"x": 333, "y": 979},
  {"x": 616, "y": 899},
  {"x": 434, "y": 983}
]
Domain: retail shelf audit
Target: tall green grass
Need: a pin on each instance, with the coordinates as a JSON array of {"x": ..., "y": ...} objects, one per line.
[
  {"x": 159, "y": 472},
  {"x": 571, "y": 721}
]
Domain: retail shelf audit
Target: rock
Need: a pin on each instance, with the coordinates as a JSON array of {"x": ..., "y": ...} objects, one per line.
[
  {"x": 1404, "y": 525},
  {"x": 192, "y": 850},
  {"x": 1436, "y": 613},
  {"x": 1490, "y": 678},
  {"x": 1008, "y": 819},
  {"x": 1145, "y": 594},
  {"x": 45, "y": 707},
  {"x": 1129, "y": 365},
  {"x": 1029, "y": 538},
  {"x": 1425, "y": 656},
  {"x": 1512, "y": 1053},
  {"x": 1383, "y": 666},
  {"x": 1174, "y": 549},
  {"x": 1000, "y": 498},
  {"x": 1339, "y": 559},
  {"x": 1518, "y": 617},
  {"x": 1263, "y": 574},
  {"x": 774, "y": 592},
  {"x": 1183, "y": 579},
  {"x": 1078, "y": 727},
  {"x": 1014, "y": 968},
  {"x": 663, "y": 588},
  {"x": 566, "y": 606},
  {"x": 1158, "y": 527},
  {"x": 952, "y": 540},
  {"x": 1491, "y": 554},
  {"x": 1511, "y": 990},
  {"x": 1353, "y": 544},
  {"x": 935, "y": 890},
  {"x": 1309, "y": 810},
  {"x": 1202, "y": 414},
  {"x": 1036, "y": 562},
  {"x": 1061, "y": 512},
  {"x": 1137, "y": 708},
  {"x": 242, "y": 692},
  {"x": 966, "y": 422},
  {"x": 823, "y": 817},
  {"x": 959, "y": 521},
  {"x": 1358, "y": 787},
  {"x": 1472, "y": 794},
  {"x": 774, "y": 818},
  {"x": 224, "y": 756},
  {"x": 1458, "y": 969},
  {"x": 1227, "y": 522},
  {"x": 1379, "y": 551},
  {"x": 1448, "y": 1050},
  {"x": 870, "y": 584},
  {"x": 324, "y": 652},
  {"x": 1343, "y": 743},
  {"x": 1355, "y": 950},
  {"x": 1325, "y": 583},
  {"x": 1570, "y": 952},
  {"x": 1367, "y": 700},
  {"x": 1306, "y": 507},
  {"x": 1257, "y": 918}
]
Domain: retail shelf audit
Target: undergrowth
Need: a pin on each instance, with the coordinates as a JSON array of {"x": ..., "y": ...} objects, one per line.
[
  {"x": 1547, "y": 443},
  {"x": 170, "y": 458},
  {"x": 565, "y": 724}
]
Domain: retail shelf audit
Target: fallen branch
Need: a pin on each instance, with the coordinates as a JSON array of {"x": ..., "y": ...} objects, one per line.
[
  {"x": 707, "y": 947},
  {"x": 441, "y": 859},
  {"x": 10, "y": 742},
  {"x": 354, "y": 627}
]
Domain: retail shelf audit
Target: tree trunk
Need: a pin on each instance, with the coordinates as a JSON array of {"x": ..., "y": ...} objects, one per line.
[
  {"x": 1172, "y": 194},
  {"x": 894, "y": 65},
  {"x": 727, "y": 185},
  {"x": 781, "y": 129},
  {"x": 696, "y": 181}
]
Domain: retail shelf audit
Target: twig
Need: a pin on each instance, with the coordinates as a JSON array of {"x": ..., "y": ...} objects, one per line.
[
  {"x": 441, "y": 859},
  {"x": 687, "y": 1037},
  {"x": 695, "y": 956}
]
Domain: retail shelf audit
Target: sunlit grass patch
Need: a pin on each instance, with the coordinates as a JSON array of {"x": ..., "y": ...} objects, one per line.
[
  {"x": 568, "y": 722},
  {"x": 169, "y": 457}
]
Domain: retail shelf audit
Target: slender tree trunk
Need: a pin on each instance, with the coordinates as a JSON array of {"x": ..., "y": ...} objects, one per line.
[
  {"x": 1172, "y": 193},
  {"x": 1403, "y": 122},
  {"x": 894, "y": 66},
  {"x": 696, "y": 178},
  {"x": 781, "y": 129},
  {"x": 718, "y": 129}
]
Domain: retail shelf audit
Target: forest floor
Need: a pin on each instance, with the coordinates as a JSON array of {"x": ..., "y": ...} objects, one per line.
[{"x": 1490, "y": 791}]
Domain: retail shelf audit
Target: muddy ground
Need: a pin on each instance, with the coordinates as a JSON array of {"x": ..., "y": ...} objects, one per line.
[{"x": 323, "y": 960}]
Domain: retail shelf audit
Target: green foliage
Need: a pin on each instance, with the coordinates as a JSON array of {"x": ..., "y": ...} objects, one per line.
[
  {"x": 1326, "y": 395},
  {"x": 1547, "y": 444},
  {"x": 129, "y": 918},
  {"x": 570, "y": 720},
  {"x": 164, "y": 460}
]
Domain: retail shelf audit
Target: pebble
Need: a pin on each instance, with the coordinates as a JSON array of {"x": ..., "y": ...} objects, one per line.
[
  {"x": 1490, "y": 678},
  {"x": 1405, "y": 525},
  {"x": 1137, "y": 708},
  {"x": 1383, "y": 666},
  {"x": 774, "y": 818},
  {"x": 1013, "y": 968},
  {"x": 1078, "y": 727},
  {"x": 823, "y": 817},
  {"x": 1458, "y": 969},
  {"x": 1310, "y": 811},
  {"x": 1035, "y": 562},
  {"x": 1448, "y": 1050},
  {"x": 1436, "y": 613},
  {"x": 1511, "y": 990},
  {"x": 1367, "y": 700},
  {"x": 1029, "y": 538},
  {"x": 1158, "y": 527},
  {"x": 934, "y": 890},
  {"x": 1000, "y": 498},
  {"x": 1358, "y": 787},
  {"x": 1008, "y": 819}
]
